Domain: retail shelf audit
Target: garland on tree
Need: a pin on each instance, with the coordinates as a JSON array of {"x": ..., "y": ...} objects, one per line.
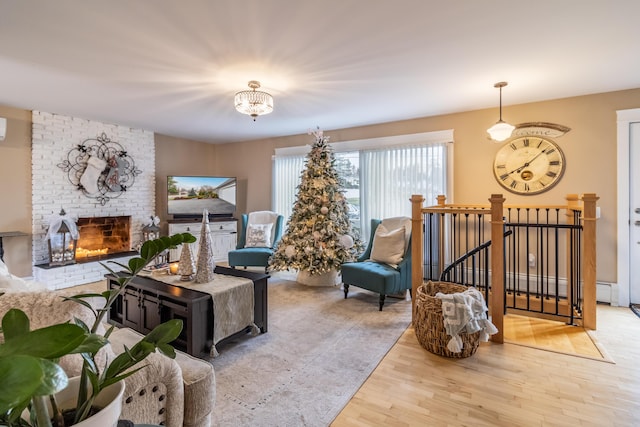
[{"x": 318, "y": 236}]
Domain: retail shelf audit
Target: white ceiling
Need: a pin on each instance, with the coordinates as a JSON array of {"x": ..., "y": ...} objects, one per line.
[{"x": 173, "y": 66}]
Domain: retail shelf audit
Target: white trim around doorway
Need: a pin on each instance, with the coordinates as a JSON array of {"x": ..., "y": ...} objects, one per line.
[{"x": 625, "y": 118}]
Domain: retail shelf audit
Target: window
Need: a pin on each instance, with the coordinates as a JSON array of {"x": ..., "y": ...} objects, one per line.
[
  {"x": 380, "y": 175},
  {"x": 286, "y": 177}
]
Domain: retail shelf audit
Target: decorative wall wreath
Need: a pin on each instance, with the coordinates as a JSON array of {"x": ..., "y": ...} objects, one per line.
[{"x": 100, "y": 168}]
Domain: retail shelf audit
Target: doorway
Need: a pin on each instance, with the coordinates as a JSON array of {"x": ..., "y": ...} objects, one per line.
[{"x": 628, "y": 207}]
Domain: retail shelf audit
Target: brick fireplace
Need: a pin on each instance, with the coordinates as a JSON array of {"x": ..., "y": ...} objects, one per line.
[
  {"x": 103, "y": 236},
  {"x": 122, "y": 217}
]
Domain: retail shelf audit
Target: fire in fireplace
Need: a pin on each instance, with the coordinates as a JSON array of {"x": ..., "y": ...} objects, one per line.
[{"x": 103, "y": 236}]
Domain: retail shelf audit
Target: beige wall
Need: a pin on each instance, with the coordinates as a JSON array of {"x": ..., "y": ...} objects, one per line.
[
  {"x": 15, "y": 189},
  {"x": 590, "y": 150},
  {"x": 177, "y": 156}
]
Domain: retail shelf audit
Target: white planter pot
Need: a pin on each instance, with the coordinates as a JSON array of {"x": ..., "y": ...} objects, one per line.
[
  {"x": 110, "y": 400},
  {"x": 325, "y": 279}
]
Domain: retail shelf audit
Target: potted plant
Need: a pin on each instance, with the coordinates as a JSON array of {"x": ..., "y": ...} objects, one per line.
[{"x": 30, "y": 375}]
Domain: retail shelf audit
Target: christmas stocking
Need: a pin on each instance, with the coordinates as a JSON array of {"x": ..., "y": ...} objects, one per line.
[
  {"x": 116, "y": 165},
  {"x": 89, "y": 178}
]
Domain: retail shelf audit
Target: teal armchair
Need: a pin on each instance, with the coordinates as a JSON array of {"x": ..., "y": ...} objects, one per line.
[
  {"x": 259, "y": 235},
  {"x": 381, "y": 277}
]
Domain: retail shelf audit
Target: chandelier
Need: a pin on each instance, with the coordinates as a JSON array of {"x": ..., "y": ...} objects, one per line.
[
  {"x": 254, "y": 102},
  {"x": 501, "y": 130}
]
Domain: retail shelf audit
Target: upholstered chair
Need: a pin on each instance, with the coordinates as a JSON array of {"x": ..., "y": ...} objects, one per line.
[
  {"x": 259, "y": 234},
  {"x": 385, "y": 265}
]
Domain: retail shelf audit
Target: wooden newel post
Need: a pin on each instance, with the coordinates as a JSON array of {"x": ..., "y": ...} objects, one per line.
[
  {"x": 416, "y": 249},
  {"x": 589, "y": 263},
  {"x": 496, "y": 303},
  {"x": 573, "y": 204}
]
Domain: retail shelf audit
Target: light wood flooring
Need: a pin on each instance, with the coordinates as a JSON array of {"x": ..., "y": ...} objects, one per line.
[
  {"x": 506, "y": 385},
  {"x": 552, "y": 335}
]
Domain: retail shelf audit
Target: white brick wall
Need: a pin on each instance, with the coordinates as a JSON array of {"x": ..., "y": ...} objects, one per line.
[{"x": 53, "y": 137}]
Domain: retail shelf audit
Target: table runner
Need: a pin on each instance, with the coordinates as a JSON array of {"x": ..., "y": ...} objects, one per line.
[{"x": 233, "y": 302}]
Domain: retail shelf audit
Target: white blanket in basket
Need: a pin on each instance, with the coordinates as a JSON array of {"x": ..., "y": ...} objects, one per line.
[{"x": 465, "y": 312}]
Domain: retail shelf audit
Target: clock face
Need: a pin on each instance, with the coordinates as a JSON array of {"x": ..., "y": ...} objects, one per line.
[{"x": 529, "y": 165}]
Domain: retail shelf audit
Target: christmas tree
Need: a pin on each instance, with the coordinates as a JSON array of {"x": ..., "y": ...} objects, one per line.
[{"x": 318, "y": 236}]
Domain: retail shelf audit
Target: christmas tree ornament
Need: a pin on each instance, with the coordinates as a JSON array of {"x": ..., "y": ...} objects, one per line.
[
  {"x": 324, "y": 210},
  {"x": 206, "y": 263},
  {"x": 346, "y": 241},
  {"x": 290, "y": 251}
]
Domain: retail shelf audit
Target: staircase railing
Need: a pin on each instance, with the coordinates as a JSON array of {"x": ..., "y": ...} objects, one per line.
[
  {"x": 454, "y": 244},
  {"x": 472, "y": 268}
]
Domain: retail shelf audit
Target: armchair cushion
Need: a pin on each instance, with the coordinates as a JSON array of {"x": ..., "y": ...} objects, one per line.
[
  {"x": 258, "y": 235},
  {"x": 265, "y": 217},
  {"x": 378, "y": 277},
  {"x": 388, "y": 246}
]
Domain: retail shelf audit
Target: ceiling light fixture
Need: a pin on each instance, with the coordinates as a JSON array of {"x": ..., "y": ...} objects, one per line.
[
  {"x": 501, "y": 130},
  {"x": 254, "y": 102}
]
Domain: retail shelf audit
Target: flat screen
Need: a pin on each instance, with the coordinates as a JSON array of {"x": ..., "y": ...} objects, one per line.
[{"x": 189, "y": 196}]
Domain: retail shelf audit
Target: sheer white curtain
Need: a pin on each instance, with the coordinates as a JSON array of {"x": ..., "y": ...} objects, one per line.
[
  {"x": 286, "y": 178},
  {"x": 391, "y": 170},
  {"x": 389, "y": 176}
]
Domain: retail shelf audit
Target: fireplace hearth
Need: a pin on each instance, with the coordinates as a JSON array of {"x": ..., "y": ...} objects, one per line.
[{"x": 103, "y": 237}]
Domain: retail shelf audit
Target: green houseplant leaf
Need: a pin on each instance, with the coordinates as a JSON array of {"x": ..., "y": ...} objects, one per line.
[
  {"x": 21, "y": 377},
  {"x": 28, "y": 358}
]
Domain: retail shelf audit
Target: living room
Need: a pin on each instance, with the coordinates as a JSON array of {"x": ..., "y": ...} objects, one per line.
[
  {"x": 587, "y": 148},
  {"x": 590, "y": 147}
]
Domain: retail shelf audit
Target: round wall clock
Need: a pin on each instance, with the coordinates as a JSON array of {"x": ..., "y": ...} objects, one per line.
[{"x": 529, "y": 165}]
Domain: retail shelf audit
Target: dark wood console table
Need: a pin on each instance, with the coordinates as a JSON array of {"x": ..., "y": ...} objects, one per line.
[{"x": 146, "y": 303}]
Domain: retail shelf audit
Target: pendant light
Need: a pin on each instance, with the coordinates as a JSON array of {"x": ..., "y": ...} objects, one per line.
[
  {"x": 501, "y": 130},
  {"x": 253, "y": 102}
]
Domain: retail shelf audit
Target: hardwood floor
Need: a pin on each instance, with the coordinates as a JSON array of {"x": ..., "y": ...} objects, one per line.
[
  {"x": 506, "y": 385},
  {"x": 553, "y": 335}
]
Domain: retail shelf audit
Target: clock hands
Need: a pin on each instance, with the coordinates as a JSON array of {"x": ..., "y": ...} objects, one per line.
[{"x": 518, "y": 170}]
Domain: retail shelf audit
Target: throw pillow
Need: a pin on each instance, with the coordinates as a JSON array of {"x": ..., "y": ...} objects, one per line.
[
  {"x": 258, "y": 236},
  {"x": 388, "y": 246}
]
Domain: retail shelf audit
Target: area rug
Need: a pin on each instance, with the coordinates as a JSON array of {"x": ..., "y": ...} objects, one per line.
[{"x": 318, "y": 351}]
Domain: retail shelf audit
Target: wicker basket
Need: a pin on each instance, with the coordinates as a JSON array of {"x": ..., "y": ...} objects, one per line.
[{"x": 429, "y": 323}]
